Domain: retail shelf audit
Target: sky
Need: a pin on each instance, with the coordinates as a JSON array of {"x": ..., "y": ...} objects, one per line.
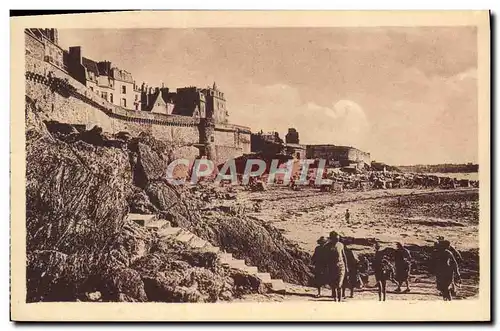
[{"x": 407, "y": 95}]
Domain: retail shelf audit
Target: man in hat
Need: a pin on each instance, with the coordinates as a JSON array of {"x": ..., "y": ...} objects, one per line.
[
  {"x": 337, "y": 265},
  {"x": 319, "y": 260},
  {"x": 402, "y": 261}
]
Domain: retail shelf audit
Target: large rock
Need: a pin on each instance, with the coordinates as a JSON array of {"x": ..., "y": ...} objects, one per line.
[
  {"x": 76, "y": 203},
  {"x": 76, "y": 194},
  {"x": 152, "y": 164},
  {"x": 44, "y": 270},
  {"x": 167, "y": 279},
  {"x": 124, "y": 285}
]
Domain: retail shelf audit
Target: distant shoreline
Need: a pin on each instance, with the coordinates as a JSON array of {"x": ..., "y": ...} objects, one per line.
[
  {"x": 441, "y": 168},
  {"x": 457, "y": 175}
]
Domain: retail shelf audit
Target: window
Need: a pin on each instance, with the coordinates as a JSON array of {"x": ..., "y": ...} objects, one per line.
[
  {"x": 92, "y": 89},
  {"x": 136, "y": 106},
  {"x": 124, "y": 89},
  {"x": 111, "y": 97},
  {"x": 104, "y": 95},
  {"x": 124, "y": 102},
  {"x": 136, "y": 96}
]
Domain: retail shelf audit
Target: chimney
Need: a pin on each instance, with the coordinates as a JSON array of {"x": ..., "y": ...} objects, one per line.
[{"x": 75, "y": 54}]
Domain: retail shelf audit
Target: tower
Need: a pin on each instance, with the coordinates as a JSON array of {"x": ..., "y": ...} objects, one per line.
[
  {"x": 216, "y": 104},
  {"x": 292, "y": 137}
]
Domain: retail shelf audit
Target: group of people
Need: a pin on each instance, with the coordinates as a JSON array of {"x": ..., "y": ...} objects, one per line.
[{"x": 337, "y": 265}]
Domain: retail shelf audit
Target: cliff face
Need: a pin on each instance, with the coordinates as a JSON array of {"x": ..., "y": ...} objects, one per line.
[{"x": 79, "y": 188}]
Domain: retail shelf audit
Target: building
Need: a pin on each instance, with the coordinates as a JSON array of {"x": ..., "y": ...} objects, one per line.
[
  {"x": 292, "y": 137},
  {"x": 87, "y": 85},
  {"x": 268, "y": 143},
  {"x": 190, "y": 101},
  {"x": 216, "y": 104},
  {"x": 113, "y": 84},
  {"x": 43, "y": 44},
  {"x": 342, "y": 156},
  {"x": 157, "y": 100},
  {"x": 201, "y": 102},
  {"x": 297, "y": 151}
]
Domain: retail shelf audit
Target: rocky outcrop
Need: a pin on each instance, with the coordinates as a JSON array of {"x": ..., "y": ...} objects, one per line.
[
  {"x": 252, "y": 240},
  {"x": 80, "y": 185}
]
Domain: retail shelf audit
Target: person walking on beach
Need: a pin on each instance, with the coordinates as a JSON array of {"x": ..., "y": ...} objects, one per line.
[
  {"x": 383, "y": 271},
  {"x": 402, "y": 261},
  {"x": 337, "y": 265},
  {"x": 456, "y": 255},
  {"x": 320, "y": 261},
  {"x": 446, "y": 269},
  {"x": 347, "y": 216},
  {"x": 353, "y": 279}
]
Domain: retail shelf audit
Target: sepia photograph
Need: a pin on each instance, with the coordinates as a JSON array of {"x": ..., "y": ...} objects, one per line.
[{"x": 236, "y": 163}]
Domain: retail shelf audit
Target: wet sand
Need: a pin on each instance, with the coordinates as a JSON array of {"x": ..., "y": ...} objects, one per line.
[{"x": 415, "y": 217}]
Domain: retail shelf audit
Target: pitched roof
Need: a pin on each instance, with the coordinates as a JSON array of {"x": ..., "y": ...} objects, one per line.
[
  {"x": 90, "y": 65},
  {"x": 122, "y": 75}
]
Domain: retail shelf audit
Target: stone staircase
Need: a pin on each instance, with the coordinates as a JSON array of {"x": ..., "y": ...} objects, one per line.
[{"x": 164, "y": 230}]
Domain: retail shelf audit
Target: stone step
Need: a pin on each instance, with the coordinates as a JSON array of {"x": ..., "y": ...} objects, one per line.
[
  {"x": 237, "y": 264},
  {"x": 197, "y": 242},
  {"x": 169, "y": 232},
  {"x": 265, "y": 277},
  {"x": 184, "y": 236},
  {"x": 210, "y": 248},
  {"x": 141, "y": 219},
  {"x": 251, "y": 270},
  {"x": 225, "y": 257},
  {"x": 159, "y": 224},
  {"x": 167, "y": 222},
  {"x": 278, "y": 285}
]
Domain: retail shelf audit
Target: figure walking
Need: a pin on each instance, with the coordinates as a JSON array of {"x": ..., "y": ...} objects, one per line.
[
  {"x": 353, "y": 279},
  {"x": 403, "y": 264},
  {"x": 320, "y": 261},
  {"x": 445, "y": 269},
  {"x": 337, "y": 265},
  {"x": 383, "y": 272},
  {"x": 458, "y": 258}
]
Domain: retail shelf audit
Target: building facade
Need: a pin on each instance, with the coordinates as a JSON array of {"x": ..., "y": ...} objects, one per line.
[
  {"x": 157, "y": 100},
  {"x": 113, "y": 84},
  {"x": 189, "y": 101},
  {"x": 342, "y": 156},
  {"x": 297, "y": 151}
]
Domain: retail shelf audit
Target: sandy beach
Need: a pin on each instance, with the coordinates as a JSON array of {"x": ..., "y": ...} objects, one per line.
[{"x": 413, "y": 216}]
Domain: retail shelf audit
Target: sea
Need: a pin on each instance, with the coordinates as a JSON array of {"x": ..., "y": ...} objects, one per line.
[{"x": 457, "y": 175}]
